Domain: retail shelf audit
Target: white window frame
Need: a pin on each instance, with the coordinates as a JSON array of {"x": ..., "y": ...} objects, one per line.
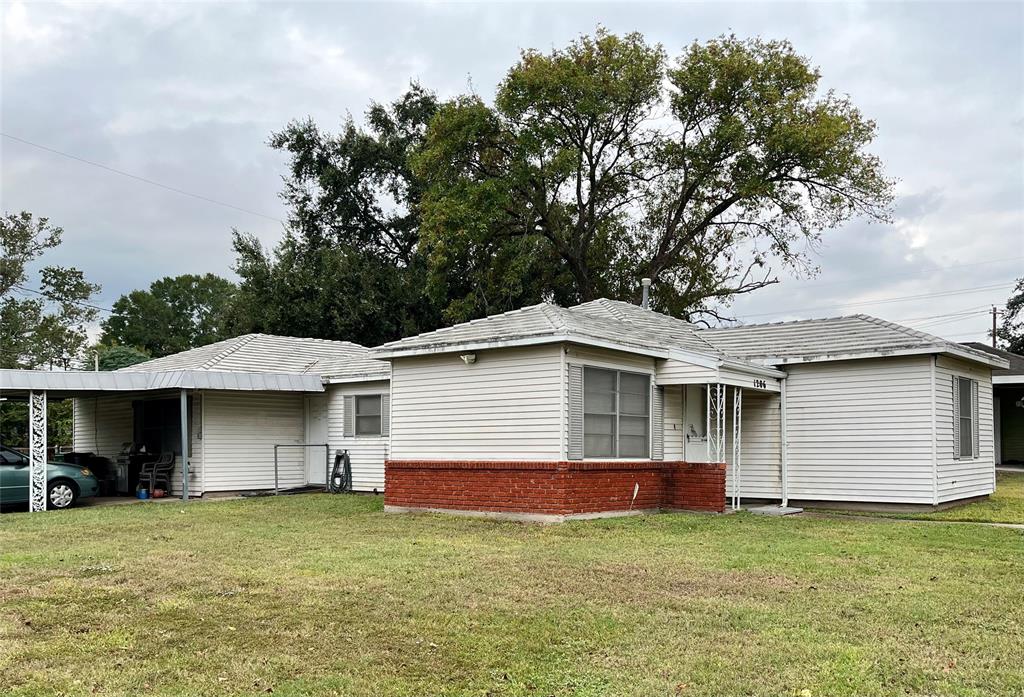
[
  {"x": 380, "y": 415},
  {"x": 967, "y": 399},
  {"x": 618, "y": 413}
]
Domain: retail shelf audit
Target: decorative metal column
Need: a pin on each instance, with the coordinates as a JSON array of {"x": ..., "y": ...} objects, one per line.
[
  {"x": 716, "y": 422},
  {"x": 37, "y": 451},
  {"x": 737, "y": 445}
]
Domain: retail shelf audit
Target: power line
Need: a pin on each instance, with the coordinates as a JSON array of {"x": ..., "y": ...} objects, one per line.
[
  {"x": 48, "y": 296},
  {"x": 142, "y": 179},
  {"x": 886, "y": 301}
]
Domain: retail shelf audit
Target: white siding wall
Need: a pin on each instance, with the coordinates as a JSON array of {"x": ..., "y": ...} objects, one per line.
[
  {"x": 760, "y": 446},
  {"x": 965, "y": 477},
  {"x": 366, "y": 453},
  {"x": 241, "y": 429},
  {"x": 506, "y": 406},
  {"x": 674, "y": 427},
  {"x": 673, "y": 372},
  {"x": 861, "y": 430}
]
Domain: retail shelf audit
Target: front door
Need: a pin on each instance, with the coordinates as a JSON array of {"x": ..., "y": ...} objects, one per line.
[{"x": 316, "y": 433}]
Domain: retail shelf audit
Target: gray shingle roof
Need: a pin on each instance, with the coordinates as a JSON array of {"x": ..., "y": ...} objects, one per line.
[
  {"x": 830, "y": 339},
  {"x": 265, "y": 353},
  {"x": 1015, "y": 360},
  {"x": 601, "y": 320},
  {"x": 630, "y": 326}
]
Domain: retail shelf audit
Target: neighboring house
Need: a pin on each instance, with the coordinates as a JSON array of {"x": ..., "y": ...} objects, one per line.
[
  {"x": 244, "y": 396},
  {"x": 609, "y": 407},
  {"x": 1008, "y": 405}
]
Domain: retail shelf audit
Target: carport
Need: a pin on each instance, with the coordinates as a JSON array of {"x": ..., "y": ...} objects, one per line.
[{"x": 38, "y": 387}]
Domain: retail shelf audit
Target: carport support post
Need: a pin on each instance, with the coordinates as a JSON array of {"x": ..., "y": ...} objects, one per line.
[
  {"x": 37, "y": 451},
  {"x": 184, "y": 445}
]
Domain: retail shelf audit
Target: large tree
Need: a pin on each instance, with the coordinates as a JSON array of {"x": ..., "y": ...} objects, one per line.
[
  {"x": 349, "y": 266},
  {"x": 604, "y": 162},
  {"x": 176, "y": 313},
  {"x": 1012, "y": 329},
  {"x": 44, "y": 311}
]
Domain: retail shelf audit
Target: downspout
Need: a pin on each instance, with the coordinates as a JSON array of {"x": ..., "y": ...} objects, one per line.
[
  {"x": 563, "y": 406},
  {"x": 202, "y": 440},
  {"x": 183, "y": 408},
  {"x": 784, "y": 437},
  {"x": 935, "y": 447}
]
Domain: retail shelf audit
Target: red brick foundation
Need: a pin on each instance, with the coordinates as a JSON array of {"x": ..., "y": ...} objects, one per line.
[{"x": 553, "y": 488}]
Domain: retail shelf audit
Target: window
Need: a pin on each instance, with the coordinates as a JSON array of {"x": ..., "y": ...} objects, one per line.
[
  {"x": 616, "y": 413},
  {"x": 965, "y": 414},
  {"x": 12, "y": 457},
  {"x": 368, "y": 415}
]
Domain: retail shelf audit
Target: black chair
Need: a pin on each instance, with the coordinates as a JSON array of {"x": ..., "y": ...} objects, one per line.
[{"x": 157, "y": 472}]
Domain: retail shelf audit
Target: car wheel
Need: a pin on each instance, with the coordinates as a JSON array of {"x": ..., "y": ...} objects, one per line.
[{"x": 61, "y": 494}]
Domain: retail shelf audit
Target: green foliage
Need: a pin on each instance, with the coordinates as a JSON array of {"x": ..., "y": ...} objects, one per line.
[
  {"x": 41, "y": 324},
  {"x": 175, "y": 314},
  {"x": 113, "y": 357},
  {"x": 602, "y": 162},
  {"x": 1012, "y": 329},
  {"x": 349, "y": 266},
  {"x": 14, "y": 424}
]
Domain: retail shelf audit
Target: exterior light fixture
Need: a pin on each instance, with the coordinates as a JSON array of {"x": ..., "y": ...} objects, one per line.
[{"x": 468, "y": 358}]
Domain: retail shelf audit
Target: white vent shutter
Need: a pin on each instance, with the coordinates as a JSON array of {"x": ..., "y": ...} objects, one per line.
[
  {"x": 975, "y": 430},
  {"x": 657, "y": 423},
  {"x": 385, "y": 414},
  {"x": 349, "y": 416},
  {"x": 575, "y": 445},
  {"x": 956, "y": 418}
]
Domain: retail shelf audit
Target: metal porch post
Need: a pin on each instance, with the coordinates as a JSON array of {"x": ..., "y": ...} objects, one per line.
[
  {"x": 37, "y": 451},
  {"x": 184, "y": 445}
]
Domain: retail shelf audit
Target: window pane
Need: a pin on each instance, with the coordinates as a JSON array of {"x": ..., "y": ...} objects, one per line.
[
  {"x": 368, "y": 405},
  {"x": 633, "y": 446},
  {"x": 965, "y": 397},
  {"x": 966, "y": 437},
  {"x": 598, "y": 435},
  {"x": 633, "y": 425},
  {"x": 368, "y": 425},
  {"x": 598, "y": 391}
]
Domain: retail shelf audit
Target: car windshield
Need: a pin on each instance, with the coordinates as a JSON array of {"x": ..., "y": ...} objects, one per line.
[{"x": 11, "y": 457}]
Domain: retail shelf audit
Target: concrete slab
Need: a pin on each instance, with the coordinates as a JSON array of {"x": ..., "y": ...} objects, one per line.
[{"x": 775, "y": 510}]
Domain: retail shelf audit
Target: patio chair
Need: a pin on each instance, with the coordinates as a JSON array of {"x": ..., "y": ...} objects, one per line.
[{"x": 157, "y": 472}]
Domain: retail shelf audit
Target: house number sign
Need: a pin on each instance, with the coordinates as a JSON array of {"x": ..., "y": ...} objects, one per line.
[{"x": 761, "y": 384}]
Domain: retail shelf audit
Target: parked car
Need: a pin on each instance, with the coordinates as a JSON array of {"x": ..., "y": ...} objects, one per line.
[{"x": 65, "y": 483}]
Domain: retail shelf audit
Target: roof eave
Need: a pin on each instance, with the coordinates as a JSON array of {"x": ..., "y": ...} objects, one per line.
[
  {"x": 512, "y": 342},
  {"x": 973, "y": 356}
]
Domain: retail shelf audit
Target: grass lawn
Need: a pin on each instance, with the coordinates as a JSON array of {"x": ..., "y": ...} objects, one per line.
[
  {"x": 327, "y": 595},
  {"x": 1004, "y": 506}
]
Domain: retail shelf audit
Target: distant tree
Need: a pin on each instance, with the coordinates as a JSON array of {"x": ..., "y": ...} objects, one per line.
[
  {"x": 112, "y": 357},
  {"x": 1012, "y": 329},
  {"x": 42, "y": 322},
  {"x": 175, "y": 314},
  {"x": 603, "y": 162},
  {"x": 349, "y": 266}
]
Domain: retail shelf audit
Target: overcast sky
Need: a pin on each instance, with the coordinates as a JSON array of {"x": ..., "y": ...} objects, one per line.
[{"x": 186, "y": 95}]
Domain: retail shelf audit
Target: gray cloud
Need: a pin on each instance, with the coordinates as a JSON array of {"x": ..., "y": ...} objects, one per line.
[{"x": 187, "y": 94}]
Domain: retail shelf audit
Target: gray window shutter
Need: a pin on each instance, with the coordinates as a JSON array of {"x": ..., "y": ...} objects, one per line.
[
  {"x": 975, "y": 431},
  {"x": 956, "y": 418},
  {"x": 657, "y": 423},
  {"x": 385, "y": 414},
  {"x": 349, "y": 416},
  {"x": 575, "y": 445}
]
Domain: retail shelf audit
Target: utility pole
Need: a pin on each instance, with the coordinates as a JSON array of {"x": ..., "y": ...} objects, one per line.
[{"x": 995, "y": 312}]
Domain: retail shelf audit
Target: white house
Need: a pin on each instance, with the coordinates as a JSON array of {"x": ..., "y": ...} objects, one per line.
[{"x": 607, "y": 406}]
